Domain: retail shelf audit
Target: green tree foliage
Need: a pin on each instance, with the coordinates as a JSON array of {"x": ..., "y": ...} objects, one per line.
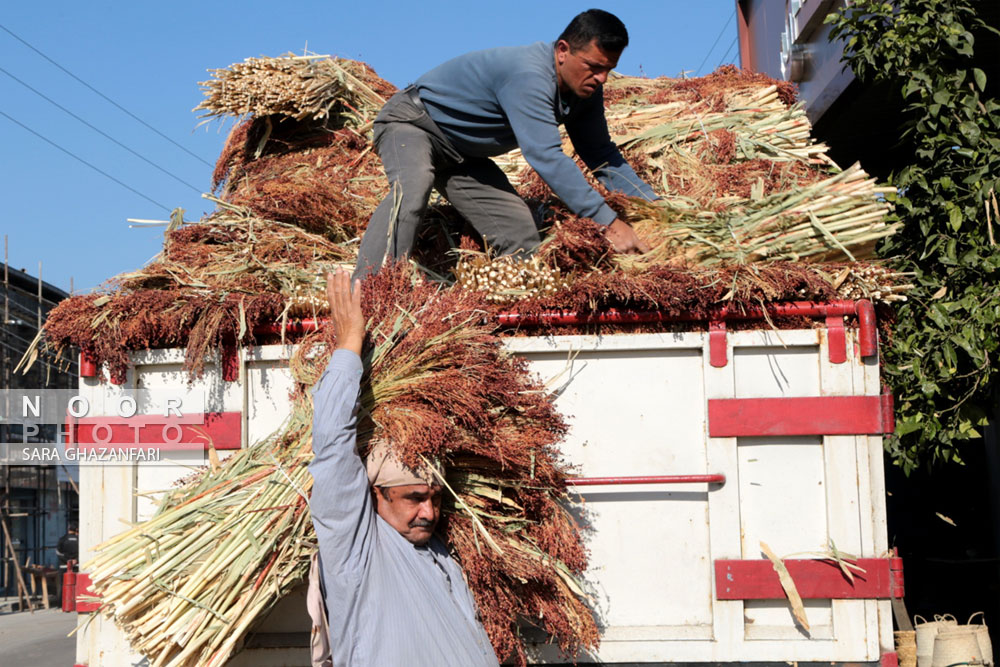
[{"x": 941, "y": 361}]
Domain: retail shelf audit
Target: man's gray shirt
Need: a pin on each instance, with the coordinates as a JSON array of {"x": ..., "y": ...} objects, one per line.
[
  {"x": 490, "y": 102},
  {"x": 389, "y": 602}
]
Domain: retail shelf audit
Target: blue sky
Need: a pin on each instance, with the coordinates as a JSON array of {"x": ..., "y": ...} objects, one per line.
[{"x": 148, "y": 57}]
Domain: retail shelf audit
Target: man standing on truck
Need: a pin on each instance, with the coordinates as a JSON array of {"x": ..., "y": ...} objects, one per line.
[
  {"x": 394, "y": 595},
  {"x": 441, "y": 132}
]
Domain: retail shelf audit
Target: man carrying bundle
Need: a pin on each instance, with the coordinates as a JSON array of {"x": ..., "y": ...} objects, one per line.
[
  {"x": 441, "y": 132},
  {"x": 393, "y": 593}
]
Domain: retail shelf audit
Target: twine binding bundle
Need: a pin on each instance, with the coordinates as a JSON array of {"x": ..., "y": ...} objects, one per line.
[{"x": 310, "y": 87}]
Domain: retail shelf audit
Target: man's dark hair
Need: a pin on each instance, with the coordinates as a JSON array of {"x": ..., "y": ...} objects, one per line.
[{"x": 598, "y": 24}]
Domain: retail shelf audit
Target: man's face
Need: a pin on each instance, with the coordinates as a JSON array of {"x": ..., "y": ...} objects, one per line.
[
  {"x": 413, "y": 510},
  {"x": 583, "y": 71}
]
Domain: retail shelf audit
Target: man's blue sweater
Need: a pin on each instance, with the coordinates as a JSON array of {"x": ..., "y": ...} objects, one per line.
[{"x": 490, "y": 102}]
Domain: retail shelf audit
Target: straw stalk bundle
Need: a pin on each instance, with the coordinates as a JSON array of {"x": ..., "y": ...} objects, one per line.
[
  {"x": 836, "y": 218},
  {"x": 310, "y": 87},
  {"x": 738, "y": 175},
  {"x": 506, "y": 279},
  {"x": 221, "y": 551}
]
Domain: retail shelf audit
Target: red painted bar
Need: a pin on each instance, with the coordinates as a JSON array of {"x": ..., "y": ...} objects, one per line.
[
  {"x": 814, "y": 579},
  {"x": 69, "y": 591},
  {"x": 836, "y": 339},
  {"x": 816, "y": 415},
  {"x": 888, "y": 411},
  {"x": 83, "y": 591},
  {"x": 655, "y": 479},
  {"x": 223, "y": 428},
  {"x": 718, "y": 350},
  {"x": 867, "y": 333},
  {"x": 863, "y": 309}
]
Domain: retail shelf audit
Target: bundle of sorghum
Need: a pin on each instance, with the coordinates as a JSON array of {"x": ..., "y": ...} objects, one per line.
[
  {"x": 213, "y": 283},
  {"x": 438, "y": 384},
  {"x": 739, "y": 177}
]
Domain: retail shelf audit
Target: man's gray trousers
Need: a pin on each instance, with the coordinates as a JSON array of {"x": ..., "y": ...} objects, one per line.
[{"x": 417, "y": 157}]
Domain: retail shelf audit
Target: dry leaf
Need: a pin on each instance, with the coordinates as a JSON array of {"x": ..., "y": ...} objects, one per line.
[
  {"x": 798, "y": 609},
  {"x": 946, "y": 519},
  {"x": 840, "y": 562}
]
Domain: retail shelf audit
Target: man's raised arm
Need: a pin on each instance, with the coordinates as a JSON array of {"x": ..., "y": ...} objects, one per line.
[{"x": 341, "y": 503}]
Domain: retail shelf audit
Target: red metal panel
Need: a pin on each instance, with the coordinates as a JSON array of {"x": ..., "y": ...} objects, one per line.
[
  {"x": 890, "y": 659},
  {"x": 223, "y": 429},
  {"x": 656, "y": 479},
  {"x": 836, "y": 339},
  {"x": 819, "y": 415},
  {"x": 83, "y": 591},
  {"x": 743, "y": 31},
  {"x": 88, "y": 368},
  {"x": 717, "y": 344},
  {"x": 814, "y": 579}
]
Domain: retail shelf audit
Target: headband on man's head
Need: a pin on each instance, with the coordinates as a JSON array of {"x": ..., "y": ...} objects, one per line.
[{"x": 385, "y": 469}]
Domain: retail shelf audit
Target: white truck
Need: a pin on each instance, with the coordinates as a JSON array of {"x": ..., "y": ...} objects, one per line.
[{"x": 693, "y": 447}]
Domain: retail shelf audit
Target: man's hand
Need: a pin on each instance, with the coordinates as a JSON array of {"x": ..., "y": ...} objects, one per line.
[
  {"x": 345, "y": 311},
  {"x": 624, "y": 239}
]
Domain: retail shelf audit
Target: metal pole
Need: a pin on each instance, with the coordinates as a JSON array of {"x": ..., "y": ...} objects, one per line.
[
  {"x": 4, "y": 428},
  {"x": 653, "y": 479},
  {"x": 41, "y": 376}
]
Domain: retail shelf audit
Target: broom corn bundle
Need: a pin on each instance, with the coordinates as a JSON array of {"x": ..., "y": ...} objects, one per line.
[
  {"x": 762, "y": 124},
  {"x": 187, "y": 584},
  {"x": 792, "y": 204}
]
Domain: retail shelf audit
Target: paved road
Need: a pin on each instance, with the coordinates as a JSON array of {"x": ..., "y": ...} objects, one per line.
[{"x": 37, "y": 639}]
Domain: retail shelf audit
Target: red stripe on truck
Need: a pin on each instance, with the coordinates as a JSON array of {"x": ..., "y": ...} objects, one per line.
[
  {"x": 882, "y": 578},
  {"x": 84, "y": 603},
  {"x": 191, "y": 432},
  {"x": 814, "y": 415}
]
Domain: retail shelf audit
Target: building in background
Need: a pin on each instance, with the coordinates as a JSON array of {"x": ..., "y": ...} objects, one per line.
[
  {"x": 37, "y": 502},
  {"x": 787, "y": 39}
]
